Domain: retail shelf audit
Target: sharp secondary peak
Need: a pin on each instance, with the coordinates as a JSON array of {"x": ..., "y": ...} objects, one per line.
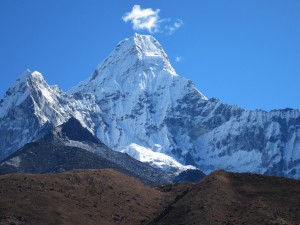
[
  {"x": 26, "y": 80},
  {"x": 27, "y": 74}
]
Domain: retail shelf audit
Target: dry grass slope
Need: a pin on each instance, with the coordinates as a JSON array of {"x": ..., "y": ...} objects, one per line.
[
  {"x": 237, "y": 199},
  {"x": 78, "y": 197},
  {"x": 108, "y": 197}
]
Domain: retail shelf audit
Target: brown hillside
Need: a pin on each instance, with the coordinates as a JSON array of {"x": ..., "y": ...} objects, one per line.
[
  {"x": 106, "y": 197},
  {"x": 224, "y": 198},
  {"x": 80, "y": 197}
]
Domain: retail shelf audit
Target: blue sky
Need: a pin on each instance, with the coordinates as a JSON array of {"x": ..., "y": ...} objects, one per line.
[{"x": 245, "y": 53}]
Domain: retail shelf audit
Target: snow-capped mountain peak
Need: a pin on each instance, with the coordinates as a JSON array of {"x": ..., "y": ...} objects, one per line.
[
  {"x": 27, "y": 106},
  {"x": 139, "y": 50},
  {"x": 135, "y": 62},
  {"x": 20, "y": 90},
  {"x": 32, "y": 87},
  {"x": 136, "y": 89}
]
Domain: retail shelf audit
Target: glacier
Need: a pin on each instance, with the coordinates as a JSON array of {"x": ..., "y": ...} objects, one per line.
[{"x": 136, "y": 103}]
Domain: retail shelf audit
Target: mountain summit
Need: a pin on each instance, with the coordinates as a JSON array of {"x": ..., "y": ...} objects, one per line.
[
  {"x": 136, "y": 90},
  {"x": 136, "y": 62},
  {"x": 135, "y": 103}
]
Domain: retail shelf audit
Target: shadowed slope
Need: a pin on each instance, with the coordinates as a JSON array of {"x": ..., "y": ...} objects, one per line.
[{"x": 233, "y": 199}]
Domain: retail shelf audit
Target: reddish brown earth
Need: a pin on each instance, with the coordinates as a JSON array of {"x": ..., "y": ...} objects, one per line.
[
  {"x": 80, "y": 197},
  {"x": 224, "y": 198},
  {"x": 108, "y": 197}
]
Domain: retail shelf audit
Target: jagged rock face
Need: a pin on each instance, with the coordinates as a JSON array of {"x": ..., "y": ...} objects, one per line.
[
  {"x": 136, "y": 103},
  {"x": 227, "y": 137},
  {"x": 72, "y": 130}
]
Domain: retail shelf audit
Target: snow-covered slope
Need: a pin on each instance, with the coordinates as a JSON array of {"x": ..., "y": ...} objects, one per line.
[
  {"x": 230, "y": 138},
  {"x": 25, "y": 110},
  {"x": 135, "y": 88},
  {"x": 146, "y": 107},
  {"x": 31, "y": 107},
  {"x": 28, "y": 108}
]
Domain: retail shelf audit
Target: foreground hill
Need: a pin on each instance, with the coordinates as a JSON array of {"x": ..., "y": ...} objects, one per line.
[
  {"x": 236, "y": 199},
  {"x": 109, "y": 197},
  {"x": 79, "y": 197}
]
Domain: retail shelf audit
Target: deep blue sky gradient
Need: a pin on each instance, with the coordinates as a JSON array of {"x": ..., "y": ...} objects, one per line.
[{"x": 245, "y": 53}]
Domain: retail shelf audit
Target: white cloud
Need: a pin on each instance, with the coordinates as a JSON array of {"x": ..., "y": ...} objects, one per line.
[
  {"x": 178, "y": 59},
  {"x": 143, "y": 19},
  {"x": 177, "y": 24},
  {"x": 148, "y": 19}
]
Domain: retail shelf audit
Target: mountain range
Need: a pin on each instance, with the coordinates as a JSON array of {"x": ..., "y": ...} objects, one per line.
[{"x": 136, "y": 103}]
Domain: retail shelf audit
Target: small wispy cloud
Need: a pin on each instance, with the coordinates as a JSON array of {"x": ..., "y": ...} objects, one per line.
[
  {"x": 172, "y": 28},
  {"x": 143, "y": 19},
  {"x": 178, "y": 59},
  {"x": 148, "y": 19}
]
